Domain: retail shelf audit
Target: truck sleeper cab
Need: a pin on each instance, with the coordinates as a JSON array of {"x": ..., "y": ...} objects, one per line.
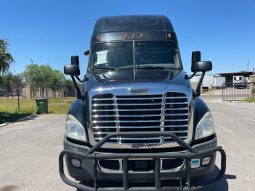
[{"x": 138, "y": 124}]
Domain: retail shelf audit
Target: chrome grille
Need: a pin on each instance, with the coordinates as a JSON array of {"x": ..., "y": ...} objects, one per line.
[{"x": 133, "y": 113}]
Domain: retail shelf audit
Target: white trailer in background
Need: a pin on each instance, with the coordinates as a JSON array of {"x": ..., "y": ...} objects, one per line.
[
  {"x": 210, "y": 81},
  {"x": 207, "y": 82},
  {"x": 218, "y": 81}
]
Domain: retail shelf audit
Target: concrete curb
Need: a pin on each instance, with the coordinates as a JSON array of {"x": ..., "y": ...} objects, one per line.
[{"x": 4, "y": 124}]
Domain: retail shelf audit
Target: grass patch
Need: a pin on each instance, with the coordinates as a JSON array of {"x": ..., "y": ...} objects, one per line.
[
  {"x": 251, "y": 99},
  {"x": 59, "y": 105},
  {"x": 9, "y": 107}
]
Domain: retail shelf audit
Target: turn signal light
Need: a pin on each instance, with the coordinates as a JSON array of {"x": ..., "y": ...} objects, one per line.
[{"x": 206, "y": 160}]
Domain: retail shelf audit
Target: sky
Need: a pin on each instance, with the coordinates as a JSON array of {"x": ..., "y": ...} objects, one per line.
[{"x": 50, "y": 31}]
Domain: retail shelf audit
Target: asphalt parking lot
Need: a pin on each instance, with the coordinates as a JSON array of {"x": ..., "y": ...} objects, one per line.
[{"x": 29, "y": 149}]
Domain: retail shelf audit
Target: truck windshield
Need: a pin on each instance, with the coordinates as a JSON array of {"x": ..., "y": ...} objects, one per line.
[{"x": 143, "y": 55}]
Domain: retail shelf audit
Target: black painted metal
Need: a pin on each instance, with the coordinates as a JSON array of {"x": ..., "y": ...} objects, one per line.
[
  {"x": 157, "y": 174},
  {"x": 190, "y": 153},
  {"x": 125, "y": 173},
  {"x": 235, "y": 91},
  {"x": 132, "y": 23},
  {"x": 134, "y": 27},
  {"x": 142, "y": 134},
  {"x": 95, "y": 173}
]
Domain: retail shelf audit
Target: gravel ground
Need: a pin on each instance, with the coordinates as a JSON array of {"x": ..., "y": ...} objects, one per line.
[{"x": 29, "y": 149}]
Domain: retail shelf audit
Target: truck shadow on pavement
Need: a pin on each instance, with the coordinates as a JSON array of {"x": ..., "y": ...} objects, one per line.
[
  {"x": 222, "y": 185},
  {"x": 8, "y": 117},
  {"x": 9, "y": 188}
]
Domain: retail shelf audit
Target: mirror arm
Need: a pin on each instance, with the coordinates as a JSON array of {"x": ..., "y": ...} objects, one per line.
[
  {"x": 80, "y": 95},
  {"x": 192, "y": 75},
  {"x": 80, "y": 80},
  {"x": 197, "y": 92},
  {"x": 78, "y": 91}
]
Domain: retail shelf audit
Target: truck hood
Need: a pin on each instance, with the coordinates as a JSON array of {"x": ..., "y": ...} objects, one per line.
[
  {"x": 178, "y": 77},
  {"x": 166, "y": 81},
  {"x": 130, "y": 75}
]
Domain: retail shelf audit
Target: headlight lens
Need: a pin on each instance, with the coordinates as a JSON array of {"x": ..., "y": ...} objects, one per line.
[
  {"x": 74, "y": 129},
  {"x": 205, "y": 126}
]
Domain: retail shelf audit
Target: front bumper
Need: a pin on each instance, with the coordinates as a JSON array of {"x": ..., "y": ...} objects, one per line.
[{"x": 91, "y": 172}]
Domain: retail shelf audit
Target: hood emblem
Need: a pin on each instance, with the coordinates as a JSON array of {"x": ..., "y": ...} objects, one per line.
[{"x": 138, "y": 90}]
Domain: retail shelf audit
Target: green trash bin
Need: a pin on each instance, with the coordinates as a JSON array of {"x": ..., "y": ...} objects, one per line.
[{"x": 42, "y": 105}]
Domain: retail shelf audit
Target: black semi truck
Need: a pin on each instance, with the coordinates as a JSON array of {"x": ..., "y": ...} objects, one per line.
[{"x": 137, "y": 124}]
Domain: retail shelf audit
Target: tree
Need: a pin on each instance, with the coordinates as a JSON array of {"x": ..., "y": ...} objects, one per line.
[
  {"x": 38, "y": 76},
  {"x": 5, "y": 57},
  {"x": 12, "y": 83},
  {"x": 6, "y": 84},
  {"x": 57, "y": 80},
  {"x": 43, "y": 76},
  {"x": 17, "y": 84},
  {"x": 69, "y": 89}
]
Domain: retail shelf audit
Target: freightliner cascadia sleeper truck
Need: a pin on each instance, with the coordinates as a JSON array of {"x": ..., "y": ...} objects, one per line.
[{"x": 137, "y": 124}]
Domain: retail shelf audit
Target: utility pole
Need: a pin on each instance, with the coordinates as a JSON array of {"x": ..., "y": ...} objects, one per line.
[
  {"x": 248, "y": 65},
  {"x": 31, "y": 89}
]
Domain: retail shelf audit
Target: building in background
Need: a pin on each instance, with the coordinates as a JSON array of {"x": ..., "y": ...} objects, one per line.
[{"x": 236, "y": 77}]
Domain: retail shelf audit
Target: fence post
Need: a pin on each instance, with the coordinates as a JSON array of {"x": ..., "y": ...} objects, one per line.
[{"x": 252, "y": 86}]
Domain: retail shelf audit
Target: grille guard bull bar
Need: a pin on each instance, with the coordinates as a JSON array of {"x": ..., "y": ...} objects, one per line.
[{"x": 191, "y": 153}]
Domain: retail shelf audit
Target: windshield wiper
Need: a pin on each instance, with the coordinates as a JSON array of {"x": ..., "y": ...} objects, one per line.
[{"x": 105, "y": 68}]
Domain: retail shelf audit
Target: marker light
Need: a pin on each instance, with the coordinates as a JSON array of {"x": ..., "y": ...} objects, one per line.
[
  {"x": 206, "y": 160},
  {"x": 133, "y": 36},
  {"x": 141, "y": 36},
  {"x": 195, "y": 163},
  {"x": 169, "y": 35}
]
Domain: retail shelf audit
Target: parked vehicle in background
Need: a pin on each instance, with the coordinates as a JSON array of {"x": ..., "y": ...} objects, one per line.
[
  {"x": 138, "y": 121},
  {"x": 240, "y": 81},
  {"x": 218, "y": 82}
]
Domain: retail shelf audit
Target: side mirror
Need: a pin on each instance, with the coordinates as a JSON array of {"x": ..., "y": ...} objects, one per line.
[
  {"x": 196, "y": 57},
  {"x": 70, "y": 69},
  {"x": 73, "y": 68},
  {"x": 75, "y": 60},
  {"x": 204, "y": 66},
  {"x": 87, "y": 52}
]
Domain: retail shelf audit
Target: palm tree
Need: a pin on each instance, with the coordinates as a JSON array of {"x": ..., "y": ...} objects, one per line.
[{"x": 5, "y": 57}]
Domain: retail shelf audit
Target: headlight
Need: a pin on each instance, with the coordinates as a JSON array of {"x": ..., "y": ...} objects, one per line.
[
  {"x": 74, "y": 129},
  {"x": 205, "y": 126}
]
